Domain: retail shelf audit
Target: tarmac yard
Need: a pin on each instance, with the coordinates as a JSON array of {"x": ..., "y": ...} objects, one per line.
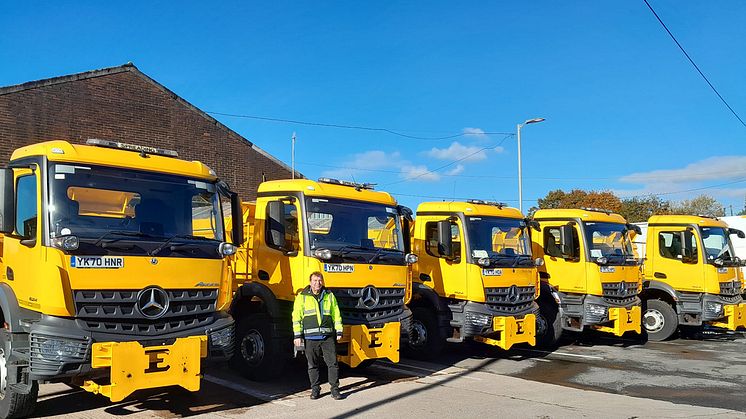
[{"x": 595, "y": 376}]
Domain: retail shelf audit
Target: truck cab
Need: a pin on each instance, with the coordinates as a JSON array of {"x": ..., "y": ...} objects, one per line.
[
  {"x": 475, "y": 277},
  {"x": 114, "y": 270},
  {"x": 590, "y": 277},
  {"x": 692, "y": 275},
  {"x": 350, "y": 233}
]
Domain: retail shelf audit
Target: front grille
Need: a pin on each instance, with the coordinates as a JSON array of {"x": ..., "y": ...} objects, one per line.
[
  {"x": 509, "y": 300},
  {"x": 619, "y": 293},
  {"x": 731, "y": 288},
  {"x": 116, "y": 311},
  {"x": 354, "y": 310}
]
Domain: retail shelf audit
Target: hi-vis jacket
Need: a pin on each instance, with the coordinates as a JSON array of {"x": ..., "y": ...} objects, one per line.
[{"x": 313, "y": 318}]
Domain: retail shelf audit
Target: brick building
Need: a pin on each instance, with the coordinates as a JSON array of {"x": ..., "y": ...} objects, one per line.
[{"x": 123, "y": 104}]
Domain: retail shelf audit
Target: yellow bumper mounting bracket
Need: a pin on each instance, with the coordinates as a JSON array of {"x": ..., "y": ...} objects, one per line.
[
  {"x": 624, "y": 320},
  {"x": 364, "y": 343},
  {"x": 134, "y": 367},
  {"x": 512, "y": 331}
]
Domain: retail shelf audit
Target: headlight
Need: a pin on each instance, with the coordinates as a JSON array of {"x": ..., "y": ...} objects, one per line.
[
  {"x": 596, "y": 310},
  {"x": 478, "y": 319},
  {"x": 222, "y": 337},
  {"x": 410, "y": 258},
  {"x": 68, "y": 242},
  {"x": 538, "y": 262},
  {"x": 57, "y": 349},
  {"x": 483, "y": 262},
  {"x": 323, "y": 254},
  {"x": 602, "y": 260},
  {"x": 714, "y": 308}
]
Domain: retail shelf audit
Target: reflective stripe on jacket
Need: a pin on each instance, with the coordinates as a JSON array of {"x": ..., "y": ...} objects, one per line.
[{"x": 312, "y": 318}]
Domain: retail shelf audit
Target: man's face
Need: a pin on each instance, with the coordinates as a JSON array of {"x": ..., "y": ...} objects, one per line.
[{"x": 316, "y": 284}]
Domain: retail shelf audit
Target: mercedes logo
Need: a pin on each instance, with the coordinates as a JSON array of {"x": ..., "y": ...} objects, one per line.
[
  {"x": 513, "y": 294},
  {"x": 623, "y": 288},
  {"x": 370, "y": 296},
  {"x": 152, "y": 302}
]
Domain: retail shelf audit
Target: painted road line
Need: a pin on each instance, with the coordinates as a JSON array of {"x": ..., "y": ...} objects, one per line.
[
  {"x": 441, "y": 373},
  {"x": 561, "y": 354},
  {"x": 247, "y": 390}
]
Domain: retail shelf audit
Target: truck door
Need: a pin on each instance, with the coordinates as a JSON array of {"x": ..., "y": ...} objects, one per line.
[
  {"x": 22, "y": 250},
  {"x": 278, "y": 247},
  {"x": 448, "y": 273},
  {"x": 565, "y": 267},
  {"x": 670, "y": 264}
]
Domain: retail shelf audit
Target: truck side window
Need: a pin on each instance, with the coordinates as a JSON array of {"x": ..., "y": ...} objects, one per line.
[
  {"x": 292, "y": 238},
  {"x": 431, "y": 239},
  {"x": 669, "y": 244},
  {"x": 26, "y": 206},
  {"x": 552, "y": 245}
]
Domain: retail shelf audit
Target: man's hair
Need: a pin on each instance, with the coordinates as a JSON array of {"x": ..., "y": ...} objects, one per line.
[{"x": 317, "y": 273}]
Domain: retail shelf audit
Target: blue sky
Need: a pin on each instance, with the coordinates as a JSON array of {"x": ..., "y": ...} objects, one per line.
[{"x": 624, "y": 109}]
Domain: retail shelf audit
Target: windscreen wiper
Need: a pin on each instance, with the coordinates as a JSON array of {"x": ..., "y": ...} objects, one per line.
[
  {"x": 177, "y": 236},
  {"x": 120, "y": 233}
]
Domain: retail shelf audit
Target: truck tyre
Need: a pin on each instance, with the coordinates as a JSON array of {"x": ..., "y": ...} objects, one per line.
[
  {"x": 258, "y": 354},
  {"x": 427, "y": 340},
  {"x": 549, "y": 324},
  {"x": 13, "y": 404},
  {"x": 659, "y": 320}
]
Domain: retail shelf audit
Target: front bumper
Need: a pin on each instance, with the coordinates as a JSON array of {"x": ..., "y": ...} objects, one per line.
[
  {"x": 735, "y": 317},
  {"x": 60, "y": 350},
  {"x": 597, "y": 313},
  {"x": 481, "y": 324}
]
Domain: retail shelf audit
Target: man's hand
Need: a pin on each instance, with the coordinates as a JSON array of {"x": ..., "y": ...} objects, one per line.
[
  {"x": 298, "y": 342},
  {"x": 339, "y": 337}
]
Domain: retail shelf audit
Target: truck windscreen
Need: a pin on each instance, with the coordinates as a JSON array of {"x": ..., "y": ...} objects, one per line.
[
  {"x": 609, "y": 240},
  {"x": 355, "y": 230},
  {"x": 106, "y": 205},
  {"x": 502, "y": 240},
  {"x": 717, "y": 244}
]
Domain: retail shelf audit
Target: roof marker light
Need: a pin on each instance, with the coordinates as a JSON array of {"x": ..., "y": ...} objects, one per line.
[{"x": 132, "y": 147}]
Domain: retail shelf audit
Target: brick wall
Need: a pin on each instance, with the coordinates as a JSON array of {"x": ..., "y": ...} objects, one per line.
[{"x": 126, "y": 106}]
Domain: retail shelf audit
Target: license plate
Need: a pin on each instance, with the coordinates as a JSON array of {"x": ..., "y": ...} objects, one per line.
[{"x": 96, "y": 262}]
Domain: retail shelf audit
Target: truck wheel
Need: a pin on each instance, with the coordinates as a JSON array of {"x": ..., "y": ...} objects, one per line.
[
  {"x": 257, "y": 355},
  {"x": 12, "y": 403},
  {"x": 659, "y": 320},
  {"x": 427, "y": 340},
  {"x": 549, "y": 325}
]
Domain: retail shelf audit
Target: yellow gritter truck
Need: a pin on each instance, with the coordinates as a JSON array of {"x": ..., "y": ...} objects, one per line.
[
  {"x": 350, "y": 233},
  {"x": 474, "y": 278},
  {"x": 692, "y": 276},
  {"x": 590, "y": 278},
  {"x": 114, "y": 270}
]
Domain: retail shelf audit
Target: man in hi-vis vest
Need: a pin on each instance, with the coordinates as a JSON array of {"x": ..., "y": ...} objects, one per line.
[{"x": 316, "y": 320}]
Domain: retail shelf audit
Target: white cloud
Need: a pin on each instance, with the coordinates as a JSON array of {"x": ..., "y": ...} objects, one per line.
[
  {"x": 685, "y": 183},
  {"x": 498, "y": 149},
  {"x": 713, "y": 168},
  {"x": 456, "y": 170},
  {"x": 418, "y": 173},
  {"x": 475, "y": 133},
  {"x": 458, "y": 151},
  {"x": 361, "y": 164}
]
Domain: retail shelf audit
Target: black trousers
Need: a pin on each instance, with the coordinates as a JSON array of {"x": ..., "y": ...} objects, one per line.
[{"x": 325, "y": 349}]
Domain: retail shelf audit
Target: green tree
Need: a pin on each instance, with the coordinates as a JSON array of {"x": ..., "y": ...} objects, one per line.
[
  {"x": 639, "y": 209},
  {"x": 701, "y": 205},
  {"x": 578, "y": 198}
]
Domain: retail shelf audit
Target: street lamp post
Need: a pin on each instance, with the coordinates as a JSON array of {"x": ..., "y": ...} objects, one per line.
[{"x": 520, "y": 178}]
